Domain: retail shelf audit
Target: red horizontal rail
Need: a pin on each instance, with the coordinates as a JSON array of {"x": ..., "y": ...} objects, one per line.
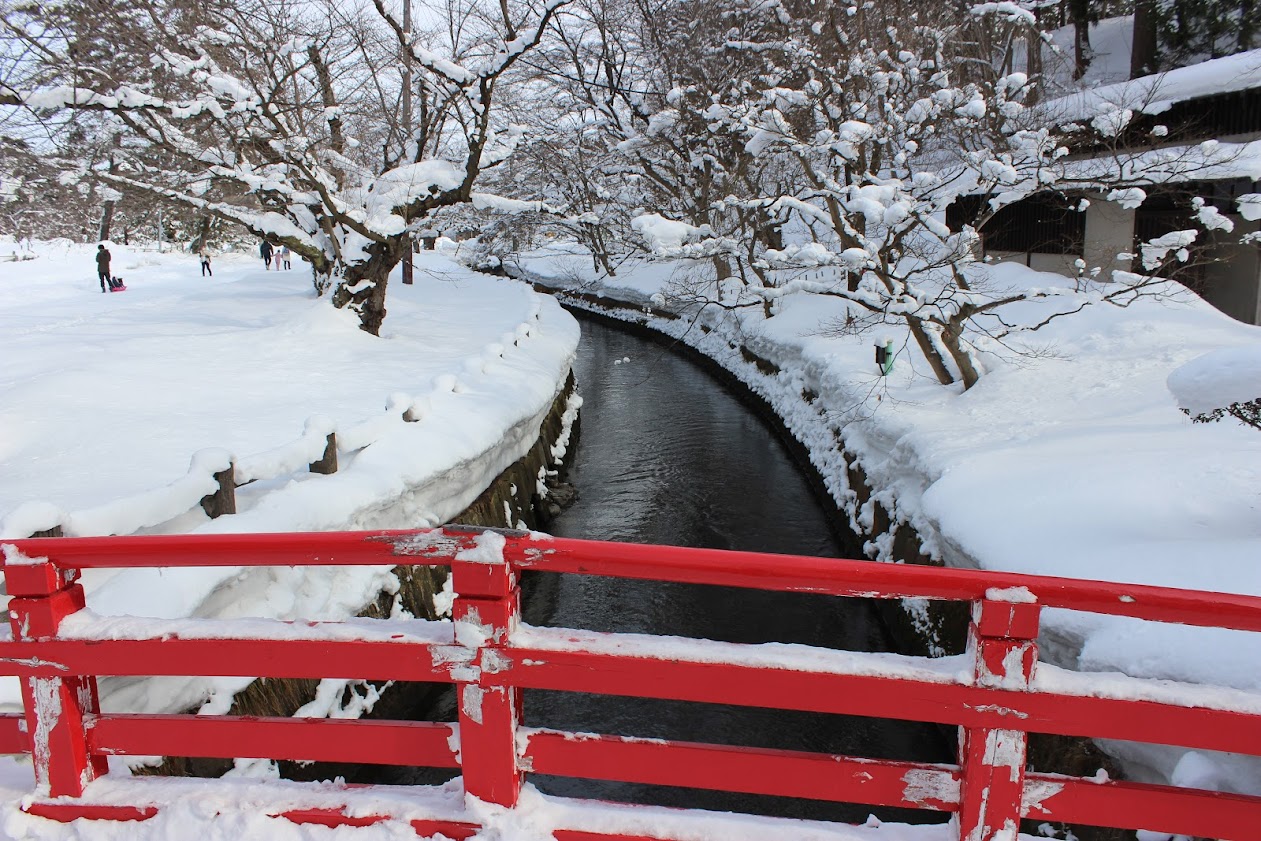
[
  {"x": 783, "y": 773},
  {"x": 874, "y": 696},
  {"x": 359, "y": 548},
  {"x": 454, "y": 830},
  {"x": 830, "y": 576},
  {"x": 426, "y": 744},
  {"x": 1201, "y": 814},
  {"x": 865, "y": 579},
  {"x": 70, "y": 811},
  {"x": 350, "y": 659},
  {"x": 678, "y": 679},
  {"x": 1157, "y": 808}
]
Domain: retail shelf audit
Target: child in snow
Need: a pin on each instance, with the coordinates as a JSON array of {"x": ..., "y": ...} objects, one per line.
[{"x": 204, "y": 257}]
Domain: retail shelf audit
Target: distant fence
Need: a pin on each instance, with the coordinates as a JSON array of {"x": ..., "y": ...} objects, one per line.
[{"x": 997, "y": 695}]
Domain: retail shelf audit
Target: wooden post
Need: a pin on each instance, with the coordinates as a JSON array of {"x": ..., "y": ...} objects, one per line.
[
  {"x": 487, "y": 608},
  {"x": 1002, "y": 638},
  {"x": 56, "y": 707},
  {"x": 328, "y": 462},
  {"x": 222, "y": 501}
]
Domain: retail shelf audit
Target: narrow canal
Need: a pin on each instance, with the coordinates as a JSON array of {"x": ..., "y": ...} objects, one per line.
[{"x": 666, "y": 455}]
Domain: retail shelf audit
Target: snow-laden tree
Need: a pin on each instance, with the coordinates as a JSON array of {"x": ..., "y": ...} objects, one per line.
[
  {"x": 887, "y": 114},
  {"x": 282, "y": 117},
  {"x": 643, "y": 85}
]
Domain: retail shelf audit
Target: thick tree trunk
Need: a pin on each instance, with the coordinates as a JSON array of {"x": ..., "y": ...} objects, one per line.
[
  {"x": 203, "y": 234},
  {"x": 1247, "y": 24},
  {"x": 1080, "y": 10},
  {"x": 722, "y": 269},
  {"x": 952, "y": 339},
  {"x": 930, "y": 351},
  {"x": 107, "y": 219},
  {"x": 362, "y": 285},
  {"x": 1143, "y": 49},
  {"x": 1033, "y": 60}
]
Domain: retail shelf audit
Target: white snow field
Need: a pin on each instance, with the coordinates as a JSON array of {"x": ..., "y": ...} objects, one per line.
[{"x": 108, "y": 397}]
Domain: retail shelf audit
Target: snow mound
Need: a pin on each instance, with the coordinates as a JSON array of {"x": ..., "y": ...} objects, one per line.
[
  {"x": 1217, "y": 379},
  {"x": 664, "y": 235}
]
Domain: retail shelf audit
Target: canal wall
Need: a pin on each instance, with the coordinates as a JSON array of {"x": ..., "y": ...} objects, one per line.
[{"x": 521, "y": 496}]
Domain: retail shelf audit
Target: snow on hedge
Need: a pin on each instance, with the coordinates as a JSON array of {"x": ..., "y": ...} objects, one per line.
[{"x": 1217, "y": 379}]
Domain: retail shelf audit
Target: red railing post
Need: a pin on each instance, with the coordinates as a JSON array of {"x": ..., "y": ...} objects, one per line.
[
  {"x": 486, "y": 610},
  {"x": 56, "y": 708},
  {"x": 1003, "y": 640}
]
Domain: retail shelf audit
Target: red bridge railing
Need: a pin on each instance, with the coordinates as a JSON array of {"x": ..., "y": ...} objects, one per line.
[{"x": 997, "y": 701}]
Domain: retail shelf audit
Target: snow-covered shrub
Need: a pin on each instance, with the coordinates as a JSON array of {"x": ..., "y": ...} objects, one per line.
[{"x": 1222, "y": 383}]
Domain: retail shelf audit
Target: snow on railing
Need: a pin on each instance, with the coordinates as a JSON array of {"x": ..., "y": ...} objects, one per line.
[{"x": 997, "y": 693}]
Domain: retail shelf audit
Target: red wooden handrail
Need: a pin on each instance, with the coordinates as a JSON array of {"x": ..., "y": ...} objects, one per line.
[
  {"x": 526, "y": 551},
  {"x": 996, "y": 705}
]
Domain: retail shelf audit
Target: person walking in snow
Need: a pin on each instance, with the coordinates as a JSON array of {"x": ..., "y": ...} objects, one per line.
[
  {"x": 204, "y": 257},
  {"x": 275, "y": 260},
  {"x": 102, "y": 266},
  {"x": 265, "y": 251},
  {"x": 285, "y": 254}
]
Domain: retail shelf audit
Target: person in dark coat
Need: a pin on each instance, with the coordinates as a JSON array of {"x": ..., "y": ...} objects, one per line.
[
  {"x": 102, "y": 266},
  {"x": 265, "y": 251}
]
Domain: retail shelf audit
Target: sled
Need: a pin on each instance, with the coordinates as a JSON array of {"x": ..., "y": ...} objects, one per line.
[{"x": 116, "y": 285}]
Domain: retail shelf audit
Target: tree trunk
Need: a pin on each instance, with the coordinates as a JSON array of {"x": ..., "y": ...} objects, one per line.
[
  {"x": 1247, "y": 23},
  {"x": 952, "y": 339},
  {"x": 930, "y": 351},
  {"x": 107, "y": 218},
  {"x": 1033, "y": 60},
  {"x": 1143, "y": 50},
  {"x": 722, "y": 269},
  {"x": 362, "y": 285},
  {"x": 203, "y": 234},
  {"x": 1080, "y": 10}
]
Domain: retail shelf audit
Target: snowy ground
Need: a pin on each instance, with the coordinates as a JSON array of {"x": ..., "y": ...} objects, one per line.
[
  {"x": 1070, "y": 459},
  {"x": 108, "y": 397}
]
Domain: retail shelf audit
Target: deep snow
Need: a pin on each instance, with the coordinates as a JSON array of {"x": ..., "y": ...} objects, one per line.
[{"x": 108, "y": 397}]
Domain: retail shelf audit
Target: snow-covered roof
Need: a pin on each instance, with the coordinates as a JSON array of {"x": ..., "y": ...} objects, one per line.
[{"x": 1157, "y": 93}]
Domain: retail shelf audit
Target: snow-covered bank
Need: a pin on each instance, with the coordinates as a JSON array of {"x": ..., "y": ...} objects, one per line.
[
  {"x": 107, "y": 396},
  {"x": 1070, "y": 457}
]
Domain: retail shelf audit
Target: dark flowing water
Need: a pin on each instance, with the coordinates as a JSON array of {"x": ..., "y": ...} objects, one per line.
[{"x": 666, "y": 455}]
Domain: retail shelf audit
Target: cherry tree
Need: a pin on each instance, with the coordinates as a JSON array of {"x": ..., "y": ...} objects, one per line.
[
  {"x": 281, "y": 117},
  {"x": 887, "y": 114}
]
